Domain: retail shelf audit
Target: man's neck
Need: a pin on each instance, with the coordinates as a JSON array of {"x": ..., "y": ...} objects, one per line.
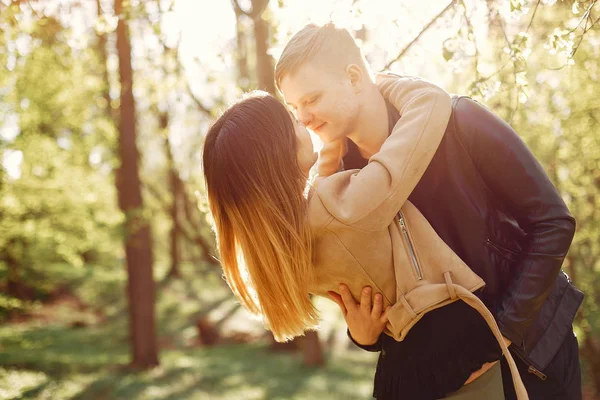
[{"x": 372, "y": 127}]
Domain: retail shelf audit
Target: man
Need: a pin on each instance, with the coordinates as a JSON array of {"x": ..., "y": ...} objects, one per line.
[{"x": 484, "y": 193}]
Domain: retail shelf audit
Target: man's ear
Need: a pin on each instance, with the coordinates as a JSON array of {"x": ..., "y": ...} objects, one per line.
[{"x": 355, "y": 74}]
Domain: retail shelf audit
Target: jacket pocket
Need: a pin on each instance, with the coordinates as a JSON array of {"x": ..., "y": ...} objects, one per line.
[{"x": 502, "y": 251}]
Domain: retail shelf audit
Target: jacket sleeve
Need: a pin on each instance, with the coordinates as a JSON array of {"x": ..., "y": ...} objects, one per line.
[
  {"x": 375, "y": 347},
  {"x": 370, "y": 198},
  {"x": 519, "y": 183}
]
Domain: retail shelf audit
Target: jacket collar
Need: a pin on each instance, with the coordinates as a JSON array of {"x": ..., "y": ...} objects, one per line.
[{"x": 393, "y": 116}]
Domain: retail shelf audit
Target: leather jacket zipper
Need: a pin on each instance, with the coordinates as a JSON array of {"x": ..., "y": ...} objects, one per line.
[
  {"x": 530, "y": 368},
  {"x": 510, "y": 255},
  {"x": 411, "y": 249},
  {"x": 536, "y": 372}
]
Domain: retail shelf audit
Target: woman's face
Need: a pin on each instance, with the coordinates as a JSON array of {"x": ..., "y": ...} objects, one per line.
[{"x": 307, "y": 156}]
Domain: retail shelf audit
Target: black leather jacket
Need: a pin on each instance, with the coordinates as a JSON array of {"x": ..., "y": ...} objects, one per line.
[{"x": 489, "y": 199}]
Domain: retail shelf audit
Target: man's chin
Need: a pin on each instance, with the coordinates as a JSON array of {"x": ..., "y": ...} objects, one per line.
[
  {"x": 328, "y": 136},
  {"x": 319, "y": 130}
]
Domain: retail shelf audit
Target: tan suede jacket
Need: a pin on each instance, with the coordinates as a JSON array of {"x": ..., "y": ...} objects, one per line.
[{"x": 368, "y": 234}]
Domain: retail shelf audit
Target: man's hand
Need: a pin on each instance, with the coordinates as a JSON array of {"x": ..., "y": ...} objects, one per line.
[{"x": 365, "y": 321}]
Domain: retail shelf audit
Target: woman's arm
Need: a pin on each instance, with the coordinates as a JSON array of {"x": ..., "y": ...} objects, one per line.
[{"x": 370, "y": 198}]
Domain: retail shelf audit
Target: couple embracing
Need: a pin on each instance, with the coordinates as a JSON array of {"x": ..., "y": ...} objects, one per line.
[{"x": 429, "y": 223}]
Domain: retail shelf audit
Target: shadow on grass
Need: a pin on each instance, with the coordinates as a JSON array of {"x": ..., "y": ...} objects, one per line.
[
  {"x": 35, "y": 391},
  {"x": 92, "y": 359},
  {"x": 61, "y": 350},
  {"x": 232, "y": 372},
  {"x": 87, "y": 363}
]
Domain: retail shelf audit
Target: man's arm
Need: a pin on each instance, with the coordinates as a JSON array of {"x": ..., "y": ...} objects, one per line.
[{"x": 519, "y": 182}]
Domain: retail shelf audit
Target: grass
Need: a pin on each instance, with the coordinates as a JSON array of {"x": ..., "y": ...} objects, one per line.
[
  {"x": 49, "y": 357},
  {"x": 53, "y": 363}
]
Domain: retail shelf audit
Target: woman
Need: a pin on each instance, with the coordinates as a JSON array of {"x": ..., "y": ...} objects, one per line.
[{"x": 278, "y": 245}]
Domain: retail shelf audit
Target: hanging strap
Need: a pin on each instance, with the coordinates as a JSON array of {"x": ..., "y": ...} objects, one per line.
[{"x": 478, "y": 305}]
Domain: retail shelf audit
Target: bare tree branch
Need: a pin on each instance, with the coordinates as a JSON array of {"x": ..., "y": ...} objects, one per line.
[
  {"x": 199, "y": 240},
  {"x": 588, "y": 18},
  {"x": 585, "y": 17},
  {"x": 258, "y": 7},
  {"x": 425, "y": 29},
  {"x": 593, "y": 23},
  {"x": 471, "y": 34},
  {"x": 196, "y": 100},
  {"x": 179, "y": 67},
  {"x": 195, "y": 239},
  {"x": 192, "y": 223},
  {"x": 531, "y": 20}
]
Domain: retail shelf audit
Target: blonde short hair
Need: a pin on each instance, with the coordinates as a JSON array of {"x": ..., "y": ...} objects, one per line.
[{"x": 333, "y": 47}]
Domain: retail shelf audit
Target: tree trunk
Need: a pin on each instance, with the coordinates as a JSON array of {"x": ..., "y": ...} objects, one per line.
[
  {"x": 103, "y": 58},
  {"x": 312, "y": 349},
  {"x": 291, "y": 346},
  {"x": 174, "y": 271},
  {"x": 264, "y": 62},
  {"x": 591, "y": 349},
  {"x": 138, "y": 244},
  {"x": 14, "y": 287},
  {"x": 175, "y": 189},
  {"x": 242, "y": 51}
]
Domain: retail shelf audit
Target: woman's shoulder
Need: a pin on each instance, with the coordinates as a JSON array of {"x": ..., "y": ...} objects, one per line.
[{"x": 319, "y": 216}]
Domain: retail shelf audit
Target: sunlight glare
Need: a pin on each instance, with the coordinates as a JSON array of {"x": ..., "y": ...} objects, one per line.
[{"x": 389, "y": 25}]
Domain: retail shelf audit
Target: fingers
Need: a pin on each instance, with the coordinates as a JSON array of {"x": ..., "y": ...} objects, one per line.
[
  {"x": 347, "y": 298},
  {"x": 377, "y": 306},
  {"x": 338, "y": 300},
  {"x": 367, "y": 307},
  {"x": 365, "y": 300}
]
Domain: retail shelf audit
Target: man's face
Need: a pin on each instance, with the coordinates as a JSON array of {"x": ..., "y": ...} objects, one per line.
[{"x": 326, "y": 102}]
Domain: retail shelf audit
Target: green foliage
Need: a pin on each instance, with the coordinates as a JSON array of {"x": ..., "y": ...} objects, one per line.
[
  {"x": 551, "y": 100},
  {"x": 532, "y": 62},
  {"x": 58, "y": 202},
  {"x": 10, "y": 304},
  {"x": 560, "y": 122}
]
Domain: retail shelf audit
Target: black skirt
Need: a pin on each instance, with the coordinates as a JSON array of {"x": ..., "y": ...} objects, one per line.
[{"x": 437, "y": 356}]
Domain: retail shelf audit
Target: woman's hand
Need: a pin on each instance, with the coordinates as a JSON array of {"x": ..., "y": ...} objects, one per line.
[
  {"x": 366, "y": 321},
  {"x": 330, "y": 157}
]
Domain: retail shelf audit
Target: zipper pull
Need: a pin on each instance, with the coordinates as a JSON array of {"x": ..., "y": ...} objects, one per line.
[
  {"x": 402, "y": 225},
  {"x": 536, "y": 372}
]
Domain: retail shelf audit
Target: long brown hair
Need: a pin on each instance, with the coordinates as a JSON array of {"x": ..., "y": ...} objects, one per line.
[{"x": 255, "y": 192}]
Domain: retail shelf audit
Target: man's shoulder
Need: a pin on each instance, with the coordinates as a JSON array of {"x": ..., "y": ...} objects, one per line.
[{"x": 466, "y": 113}]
